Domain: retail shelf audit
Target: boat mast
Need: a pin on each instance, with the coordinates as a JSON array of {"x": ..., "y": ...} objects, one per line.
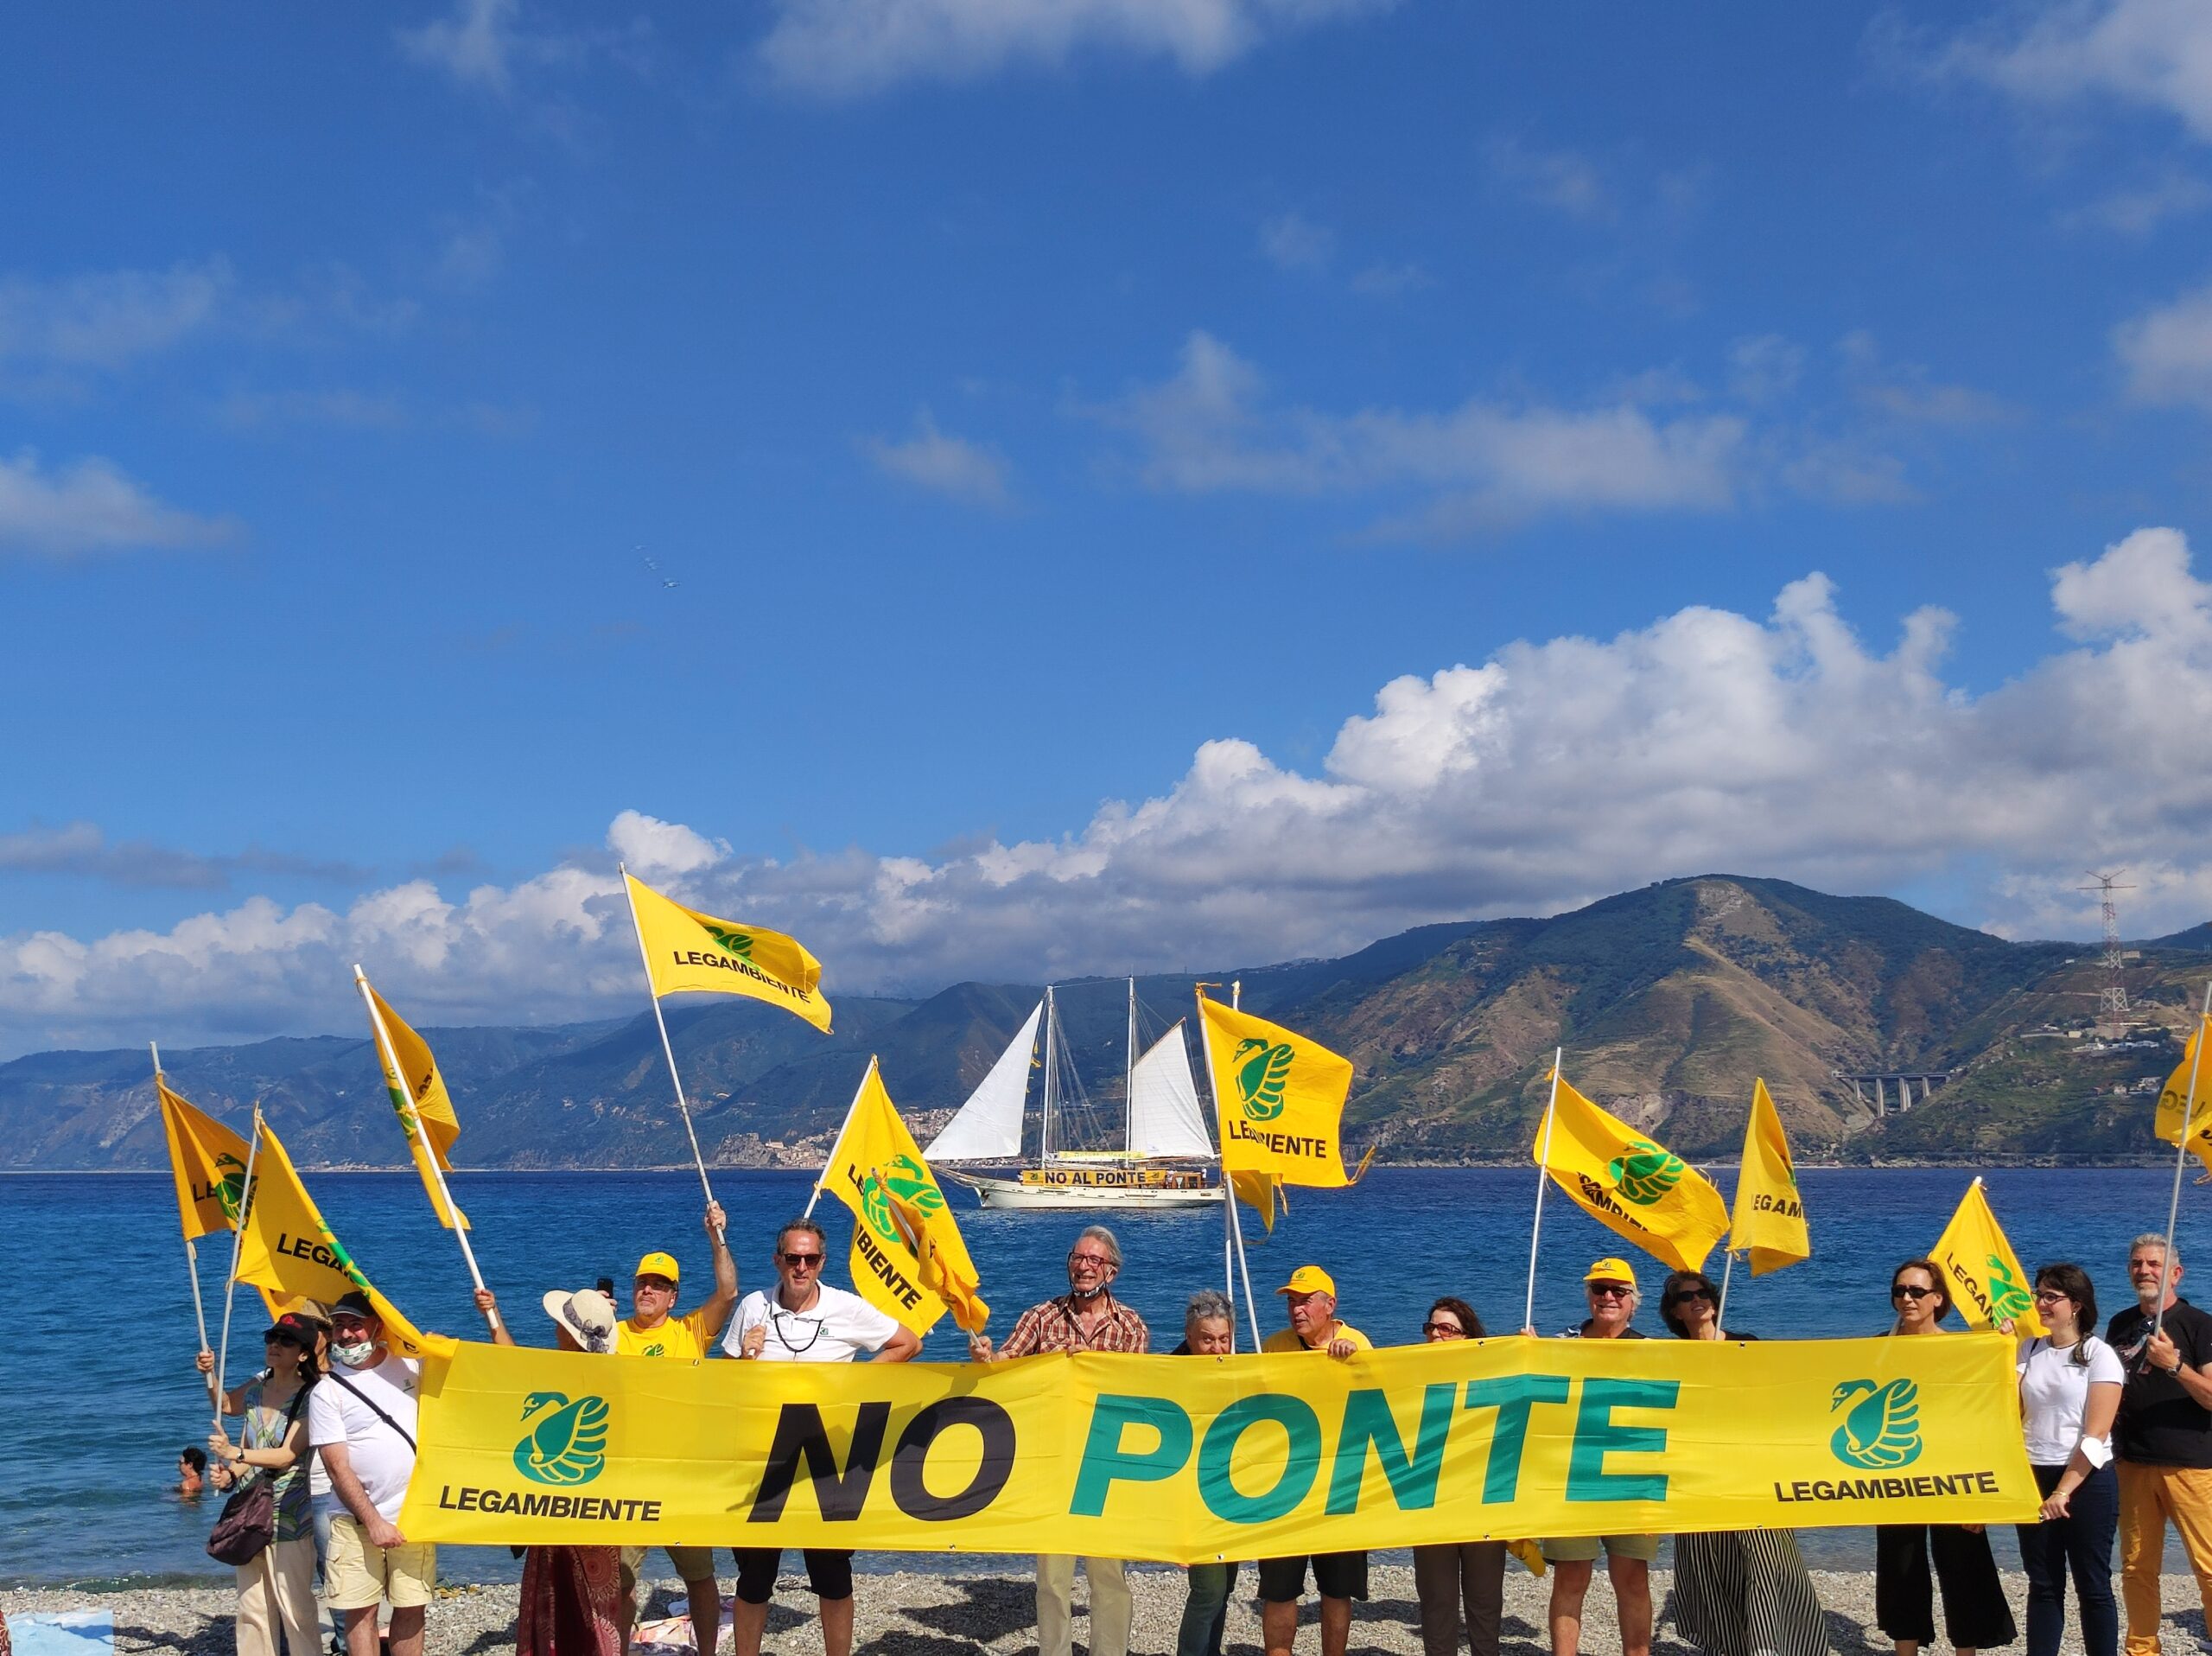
[
  {"x": 1129, "y": 1081},
  {"x": 1052, "y": 1077}
]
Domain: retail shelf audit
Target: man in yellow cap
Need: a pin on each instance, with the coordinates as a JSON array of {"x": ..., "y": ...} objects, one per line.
[
  {"x": 1339, "y": 1578},
  {"x": 1610, "y": 1287},
  {"x": 652, "y": 1330}
]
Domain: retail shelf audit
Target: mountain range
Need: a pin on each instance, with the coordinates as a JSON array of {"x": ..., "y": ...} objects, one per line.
[{"x": 1668, "y": 1002}]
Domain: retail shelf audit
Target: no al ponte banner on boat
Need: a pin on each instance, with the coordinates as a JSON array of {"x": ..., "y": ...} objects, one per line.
[{"x": 1185, "y": 1458}]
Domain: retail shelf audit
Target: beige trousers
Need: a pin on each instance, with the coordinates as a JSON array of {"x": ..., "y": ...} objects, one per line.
[
  {"x": 276, "y": 1596},
  {"x": 1109, "y": 1606}
]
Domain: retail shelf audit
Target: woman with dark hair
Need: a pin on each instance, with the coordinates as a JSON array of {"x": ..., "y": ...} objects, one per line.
[
  {"x": 1736, "y": 1591},
  {"x": 277, "y": 1605},
  {"x": 1975, "y": 1615},
  {"x": 1449, "y": 1573},
  {"x": 2069, "y": 1397}
]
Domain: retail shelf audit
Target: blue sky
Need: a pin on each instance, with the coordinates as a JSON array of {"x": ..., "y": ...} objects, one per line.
[{"x": 1024, "y": 395}]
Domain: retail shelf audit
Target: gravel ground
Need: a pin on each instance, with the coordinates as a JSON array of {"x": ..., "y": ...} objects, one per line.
[{"x": 945, "y": 1616}]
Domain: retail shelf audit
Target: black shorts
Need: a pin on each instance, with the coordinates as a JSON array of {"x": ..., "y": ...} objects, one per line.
[
  {"x": 829, "y": 1572},
  {"x": 1336, "y": 1575}
]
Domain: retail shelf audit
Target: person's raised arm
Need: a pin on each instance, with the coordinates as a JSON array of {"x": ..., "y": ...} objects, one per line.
[
  {"x": 716, "y": 1312},
  {"x": 487, "y": 1307}
]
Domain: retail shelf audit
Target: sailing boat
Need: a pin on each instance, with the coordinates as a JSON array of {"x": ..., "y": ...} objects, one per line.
[{"x": 1165, "y": 1128}]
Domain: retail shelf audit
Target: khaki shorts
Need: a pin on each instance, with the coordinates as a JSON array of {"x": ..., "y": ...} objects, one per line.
[
  {"x": 357, "y": 1576},
  {"x": 692, "y": 1564},
  {"x": 1583, "y": 1549}
]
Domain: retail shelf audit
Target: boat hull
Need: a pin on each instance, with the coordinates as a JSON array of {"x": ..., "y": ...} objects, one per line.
[{"x": 1012, "y": 1192}]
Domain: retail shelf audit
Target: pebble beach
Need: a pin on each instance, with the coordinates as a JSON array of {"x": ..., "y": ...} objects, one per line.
[{"x": 906, "y": 1614}]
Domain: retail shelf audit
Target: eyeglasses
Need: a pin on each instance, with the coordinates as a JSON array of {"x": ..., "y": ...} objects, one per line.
[
  {"x": 1096, "y": 1261},
  {"x": 809, "y": 1261},
  {"x": 2050, "y": 1296},
  {"x": 1684, "y": 1296},
  {"x": 1610, "y": 1290},
  {"x": 1444, "y": 1331},
  {"x": 1904, "y": 1291}
]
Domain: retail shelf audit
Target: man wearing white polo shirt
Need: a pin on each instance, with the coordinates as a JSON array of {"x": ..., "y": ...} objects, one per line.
[{"x": 805, "y": 1321}]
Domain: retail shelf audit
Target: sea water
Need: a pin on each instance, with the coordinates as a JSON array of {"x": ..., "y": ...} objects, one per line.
[{"x": 100, "y": 1394}]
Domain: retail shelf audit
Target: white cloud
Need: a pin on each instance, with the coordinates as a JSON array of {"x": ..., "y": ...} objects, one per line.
[
  {"x": 2138, "y": 212},
  {"x": 107, "y": 319},
  {"x": 475, "y": 46},
  {"x": 1908, "y": 391},
  {"x": 2151, "y": 54},
  {"x": 1293, "y": 242},
  {"x": 1555, "y": 771},
  {"x": 1561, "y": 180},
  {"x": 2166, "y": 352},
  {"x": 944, "y": 464},
  {"x": 89, "y": 508},
  {"x": 1210, "y": 427},
  {"x": 847, "y": 47}
]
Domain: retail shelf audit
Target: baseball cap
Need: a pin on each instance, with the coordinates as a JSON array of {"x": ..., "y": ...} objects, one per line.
[
  {"x": 658, "y": 1265},
  {"x": 1611, "y": 1270},
  {"x": 1310, "y": 1279},
  {"x": 353, "y": 1304},
  {"x": 294, "y": 1328}
]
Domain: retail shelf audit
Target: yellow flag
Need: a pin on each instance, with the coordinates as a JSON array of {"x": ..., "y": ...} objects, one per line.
[
  {"x": 874, "y": 1158},
  {"x": 1628, "y": 1182},
  {"x": 2173, "y": 1096},
  {"x": 944, "y": 1276},
  {"x": 208, "y": 1161},
  {"x": 686, "y": 950},
  {"x": 1259, "y": 1191},
  {"x": 284, "y": 1248},
  {"x": 1769, "y": 1218},
  {"x": 1980, "y": 1270},
  {"x": 419, "y": 1098},
  {"x": 1280, "y": 1098}
]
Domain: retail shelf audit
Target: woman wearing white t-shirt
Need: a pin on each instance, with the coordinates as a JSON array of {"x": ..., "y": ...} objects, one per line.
[{"x": 2070, "y": 1395}]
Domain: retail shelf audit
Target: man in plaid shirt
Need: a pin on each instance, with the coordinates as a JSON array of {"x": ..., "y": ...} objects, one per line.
[{"x": 1086, "y": 1318}]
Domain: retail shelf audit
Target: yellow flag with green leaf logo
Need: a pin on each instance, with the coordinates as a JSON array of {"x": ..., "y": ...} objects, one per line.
[
  {"x": 1280, "y": 1098},
  {"x": 687, "y": 950},
  {"x": 285, "y": 1248},
  {"x": 2176, "y": 1104},
  {"x": 419, "y": 1098},
  {"x": 1769, "y": 1221},
  {"x": 1628, "y": 1182},
  {"x": 1981, "y": 1273},
  {"x": 208, "y": 1161},
  {"x": 876, "y": 1169}
]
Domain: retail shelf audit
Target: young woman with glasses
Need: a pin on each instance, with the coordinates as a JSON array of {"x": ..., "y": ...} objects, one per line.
[
  {"x": 1448, "y": 1575},
  {"x": 1975, "y": 1615},
  {"x": 2070, "y": 1382},
  {"x": 1736, "y": 1591}
]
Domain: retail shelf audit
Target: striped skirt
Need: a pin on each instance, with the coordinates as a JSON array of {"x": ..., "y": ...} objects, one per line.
[{"x": 1746, "y": 1593}]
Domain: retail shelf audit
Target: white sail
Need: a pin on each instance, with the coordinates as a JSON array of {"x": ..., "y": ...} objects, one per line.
[
  {"x": 989, "y": 1126},
  {"x": 1165, "y": 1119}
]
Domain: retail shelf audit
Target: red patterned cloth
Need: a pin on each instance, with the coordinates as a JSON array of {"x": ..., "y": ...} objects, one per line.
[
  {"x": 1052, "y": 1326},
  {"x": 571, "y": 1602}
]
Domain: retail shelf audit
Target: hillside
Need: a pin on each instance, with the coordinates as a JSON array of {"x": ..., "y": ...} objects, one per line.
[{"x": 1668, "y": 1000}]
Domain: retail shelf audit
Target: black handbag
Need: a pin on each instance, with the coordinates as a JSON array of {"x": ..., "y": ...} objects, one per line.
[{"x": 248, "y": 1520}]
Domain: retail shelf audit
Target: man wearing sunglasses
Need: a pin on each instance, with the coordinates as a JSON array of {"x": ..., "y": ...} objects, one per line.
[
  {"x": 1086, "y": 1318},
  {"x": 805, "y": 1321},
  {"x": 1610, "y": 1287}
]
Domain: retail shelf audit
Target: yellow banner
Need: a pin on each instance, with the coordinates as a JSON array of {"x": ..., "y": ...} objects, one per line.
[
  {"x": 1629, "y": 1183},
  {"x": 1982, "y": 1272},
  {"x": 1280, "y": 1098},
  {"x": 285, "y": 1248},
  {"x": 687, "y": 950},
  {"x": 208, "y": 1162},
  {"x": 874, "y": 1161},
  {"x": 1183, "y": 1458},
  {"x": 419, "y": 1098},
  {"x": 1768, "y": 1220},
  {"x": 2175, "y": 1103}
]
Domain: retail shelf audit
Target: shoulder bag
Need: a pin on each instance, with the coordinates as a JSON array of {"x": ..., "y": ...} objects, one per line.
[{"x": 248, "y": 1520}]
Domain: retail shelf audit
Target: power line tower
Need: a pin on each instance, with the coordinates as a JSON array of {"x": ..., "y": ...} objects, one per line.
[{"x": 2112, "y": 1000}]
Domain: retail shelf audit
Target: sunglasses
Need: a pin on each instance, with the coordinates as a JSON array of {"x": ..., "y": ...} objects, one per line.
[
  {"x": 1447, "y": 1330},
  {"x": 1902, "y": 1291},
  {"x": 796, "y": 1260},
  {"x": 1610, "y": 1290},
  {"x": 1684, "y": 1296}
]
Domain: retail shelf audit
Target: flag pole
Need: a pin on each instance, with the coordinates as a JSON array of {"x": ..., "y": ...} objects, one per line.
[
  {"x": 190, "y": 1253},
  {"x": 1232, "y": 1246},
  {"x": 403, "y": 1099},
  {"x": 1543, "y": 1177},
  {"x": 645, "y": 960},
  {"x": 815, "y": 1195},
  {"x": 1721, "y": 1311},
  {"x": 1237, "y": 1226},
  {"x": 237, "y": 1239},
  {"x": 2181, "y": 1159}
]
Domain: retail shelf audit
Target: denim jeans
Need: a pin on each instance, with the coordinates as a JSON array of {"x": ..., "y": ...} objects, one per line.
[
  {"x": 2079, "y": 1544},
  {"x": 1205, "y": 1612}
]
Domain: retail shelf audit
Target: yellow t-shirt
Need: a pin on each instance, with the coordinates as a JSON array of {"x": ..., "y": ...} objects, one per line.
[
  {"x": 683, "y": 1337},
  {"x": 1287, "y": 1339}
]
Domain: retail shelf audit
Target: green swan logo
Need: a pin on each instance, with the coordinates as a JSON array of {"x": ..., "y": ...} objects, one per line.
[
  {"x": 230, "y": 1183},
  {"x": 737, "y": 943},
  {"x": 1646, "y": 1173},
  {"x": 2008, "y": 1300},
  {"x": 1260, "y": 1070},
  {"x": 1882, "y": 1430},
  {"x": 911, "y": 1182},
  {"x": 566, "y": 1442}
]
